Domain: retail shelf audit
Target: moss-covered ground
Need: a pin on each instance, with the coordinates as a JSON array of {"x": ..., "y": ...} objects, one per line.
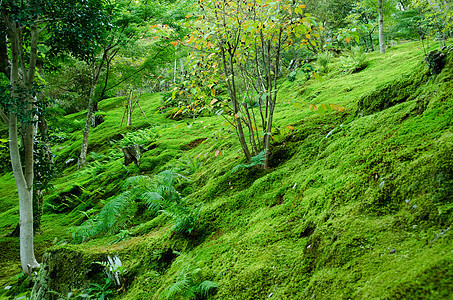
[{"x": 357, "y": 205}]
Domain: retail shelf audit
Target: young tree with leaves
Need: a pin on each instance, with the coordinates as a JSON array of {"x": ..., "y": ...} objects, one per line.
[{"x": 245, "y": 41}]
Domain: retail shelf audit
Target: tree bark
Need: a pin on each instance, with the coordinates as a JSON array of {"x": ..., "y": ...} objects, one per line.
[
  {"x": 86, "y": 132},
  {"x": 91, "y": 106},
  {"x": 381, "y": 27},
  {"x": 23, "y": 177},
  {"x": 4, "y": 60}
]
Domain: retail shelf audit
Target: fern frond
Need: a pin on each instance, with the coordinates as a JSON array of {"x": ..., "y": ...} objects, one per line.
[
  {"x": 154, "y": 201},
  {"x": 184, "y": 217},
  {"x": 107, "y": 219},
  {"x": 204, "y": 288},
  {"x": 139, "y": 180},
  {"x": 254, "y": 161},
  {"x": 177, "y": 288}
]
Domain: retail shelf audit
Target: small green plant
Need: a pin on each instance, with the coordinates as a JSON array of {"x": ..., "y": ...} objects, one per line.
[
  {"x": 324, "y": 60},
  {"x": 355, "y": 61},
  {"x": 124, "y": 234},
  {"x": 189, "y": 285},
  {"x": 308, "y": 70},
  {"x": 97, "y": 165},
  {"x": 256, "y": 160},
  {"x": 184, "y": 217},
  {"x": 188, "y": 165},
  {"x": 139, "y": 137},
  {"x": 157, "y": 192},
  {"x": 101, "y": 291}
]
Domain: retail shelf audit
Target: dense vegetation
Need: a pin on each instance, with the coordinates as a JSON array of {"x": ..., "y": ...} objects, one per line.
[{"x": 350, "y": 199}]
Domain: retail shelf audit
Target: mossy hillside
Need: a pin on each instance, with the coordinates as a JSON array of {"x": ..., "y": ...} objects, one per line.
[
  {"x": 349, "y": 221},
  {"x": 330, "y": 221}
]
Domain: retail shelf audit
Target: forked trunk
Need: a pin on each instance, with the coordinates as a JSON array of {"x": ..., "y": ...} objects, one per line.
[{"x": 23, "y": 176}]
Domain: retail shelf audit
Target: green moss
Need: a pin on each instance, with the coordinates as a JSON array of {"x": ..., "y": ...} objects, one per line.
[
  {"x": 354, "y": 207},
  {"x": 392, "y": 93}
]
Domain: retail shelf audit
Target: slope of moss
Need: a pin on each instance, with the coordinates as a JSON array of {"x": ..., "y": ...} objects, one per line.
[{"x": 356, "y": 205}]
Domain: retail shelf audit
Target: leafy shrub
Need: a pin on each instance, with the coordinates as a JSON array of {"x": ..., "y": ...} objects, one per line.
[{"x": 355, "y": 61}]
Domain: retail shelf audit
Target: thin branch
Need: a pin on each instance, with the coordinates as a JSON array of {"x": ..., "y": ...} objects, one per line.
[
  {"x": 4, "y": 117},
  {"x": 136, "y": 72}
]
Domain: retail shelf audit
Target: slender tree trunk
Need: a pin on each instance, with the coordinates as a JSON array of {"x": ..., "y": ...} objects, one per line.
[
  {"x": 92, "y": 104},
  {"x": 228, "y": 69},
  {"x": 23, "y": 176},
  {"x": 86, "y": 132},
  {"x": 25, "y": 190},
  {"x": 381, "y": 27}
]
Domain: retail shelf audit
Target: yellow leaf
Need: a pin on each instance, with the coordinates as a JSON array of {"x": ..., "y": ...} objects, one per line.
[
  {"x": 348, "y": 39},
  {"x": 180, "y": 93}
]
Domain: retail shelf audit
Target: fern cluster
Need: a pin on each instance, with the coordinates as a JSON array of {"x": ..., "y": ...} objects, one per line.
[
  {"x": 139, "y": 137},
  {"x": 355, "y": 61},
  {"x": 189, "y": 165},
  {"x": 324, "y": 60},
  {"x": 157, "y": 192},
  {"x": 189, "y": 285}
]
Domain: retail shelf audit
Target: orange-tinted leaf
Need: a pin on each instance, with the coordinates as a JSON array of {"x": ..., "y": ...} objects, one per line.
[
  {"x": 348, "y": 39},
  {"x": 290, "y": 127},
  {"x": 313, "y": 107}
]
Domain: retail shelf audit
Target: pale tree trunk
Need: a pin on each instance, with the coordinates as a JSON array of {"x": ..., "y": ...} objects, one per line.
[
  {"x": 86, "y": 132},
  {"x": 91, "y": 106},
  {"x": 23, "y": 176},
  {"x": 381, "y": 27}
]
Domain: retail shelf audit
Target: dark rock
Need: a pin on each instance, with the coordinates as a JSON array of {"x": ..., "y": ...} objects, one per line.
[
  {"x": 133, "y": 154},
  {"x": 436, "y": 61}
]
